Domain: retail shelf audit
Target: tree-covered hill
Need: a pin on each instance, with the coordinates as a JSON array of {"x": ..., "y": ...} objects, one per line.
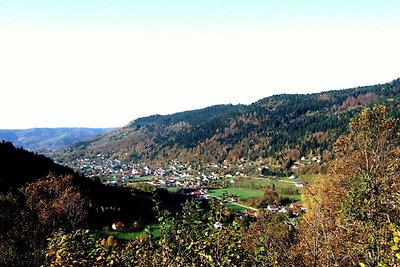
[
  {"x": 280, "y": 126},
  {"x": 38, "y": 197},
  {"x": 19, "y": 167}
]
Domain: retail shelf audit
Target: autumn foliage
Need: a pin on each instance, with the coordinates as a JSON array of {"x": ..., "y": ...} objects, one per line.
[
  {"x": 349, "y": 212},
  {"x": 36, "y": 211}
]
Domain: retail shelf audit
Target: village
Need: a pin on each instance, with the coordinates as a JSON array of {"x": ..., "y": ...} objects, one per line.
[{"x": 235, "y": 184}]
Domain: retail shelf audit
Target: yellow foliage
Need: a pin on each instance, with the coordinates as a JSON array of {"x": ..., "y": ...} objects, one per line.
[
  {"x": 353, "y": 202},
  {"x": 111, "y": 241}
]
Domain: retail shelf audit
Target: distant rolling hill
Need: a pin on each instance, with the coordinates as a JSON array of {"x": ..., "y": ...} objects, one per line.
[
  {"x": 280, "y": 126},
  {"x": 45, "y": 139}
]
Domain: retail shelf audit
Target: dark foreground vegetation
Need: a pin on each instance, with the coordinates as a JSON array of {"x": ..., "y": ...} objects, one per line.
[
  {"x": 352, "y": 216},
  {"x": 39, "y": 198}
]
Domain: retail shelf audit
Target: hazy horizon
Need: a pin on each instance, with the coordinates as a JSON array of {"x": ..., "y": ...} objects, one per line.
[
  {"x": 177, "y": 111},
  {"x": 102, "y": 64}
]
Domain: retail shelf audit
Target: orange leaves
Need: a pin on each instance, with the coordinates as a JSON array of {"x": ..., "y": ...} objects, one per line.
[{"x": 57, "y": 202}]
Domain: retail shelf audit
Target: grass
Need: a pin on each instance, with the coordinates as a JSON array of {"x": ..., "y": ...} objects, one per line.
[
  {"x": 125, "y": 235},
  {"x": 255, "y": 183},
  {"x": 141, "y": 179},
  {"x": 154, "y": 229},
  {"x": 172, "y": 189},
  {"x": 264, "y": 183},
  {"x": 254, "y": 187},
  {"x": 234, "y": 207},
  {"x": 240, "y": 192}
]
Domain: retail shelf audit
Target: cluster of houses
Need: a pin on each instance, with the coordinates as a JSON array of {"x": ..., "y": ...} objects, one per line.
[
  {"x": 174, "y": 175},
  {"x": 112, "y": 168},
  {"x": 303, "y": 160},
  {"x": 295, "y": 209},
  {"x": 103, "y": 166},
  {"x": 182, "y": 181},
  {"x": 116, "y": 171},
  {"x": 190, "y": 180}
]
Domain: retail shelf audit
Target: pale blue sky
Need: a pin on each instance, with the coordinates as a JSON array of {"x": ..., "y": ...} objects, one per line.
[
  {"x": 103, "y": 63},
  {"x": 205, "y": 13}
]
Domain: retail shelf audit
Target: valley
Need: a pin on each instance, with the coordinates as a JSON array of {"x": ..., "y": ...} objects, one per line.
[
  {"x": 232, "y": 183},
  {"x": 245, "y": 185}
]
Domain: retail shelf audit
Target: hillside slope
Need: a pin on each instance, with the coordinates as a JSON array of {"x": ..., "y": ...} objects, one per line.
[
  {"x": 19, "y": 167},
  {"x": 280, "y": 126}
]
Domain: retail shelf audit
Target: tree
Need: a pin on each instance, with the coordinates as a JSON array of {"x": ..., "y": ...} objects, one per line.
[
  {"x": 271, "y": 197},
  {"x": 368, "y": 165},
  {"x": 33, "y": 213},
  {"x": 269, "y": 237},
  {"x": 350, "y": 211},
  {"x": 17, "y": 228},
  {"x": 196, "y": 237},
  {"x": 57, "y": 202}
]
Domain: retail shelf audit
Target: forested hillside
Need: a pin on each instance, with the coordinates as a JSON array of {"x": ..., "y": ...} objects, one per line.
[
  {"x": 19, "y": 167},
  {"x": 282, "y": 126}
]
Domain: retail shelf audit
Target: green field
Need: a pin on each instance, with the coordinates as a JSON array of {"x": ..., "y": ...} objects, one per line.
[
  {"x": 254, "y": 187},
  {"x": 240, "y": 192},
  {"x": 142, "y": 179},
  {"x": 234, "y": 207},
  {"x": 261, "y": 183},
  {"x": 172, "y": 189}
]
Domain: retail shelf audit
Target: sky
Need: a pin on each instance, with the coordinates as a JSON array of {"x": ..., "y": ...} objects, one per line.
[{"x": 98, "y": 63}]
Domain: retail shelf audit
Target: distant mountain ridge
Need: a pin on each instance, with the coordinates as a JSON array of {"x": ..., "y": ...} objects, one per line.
[
  {"x": 281, "y": 126},
  {"x": 44, "y": 139}
]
